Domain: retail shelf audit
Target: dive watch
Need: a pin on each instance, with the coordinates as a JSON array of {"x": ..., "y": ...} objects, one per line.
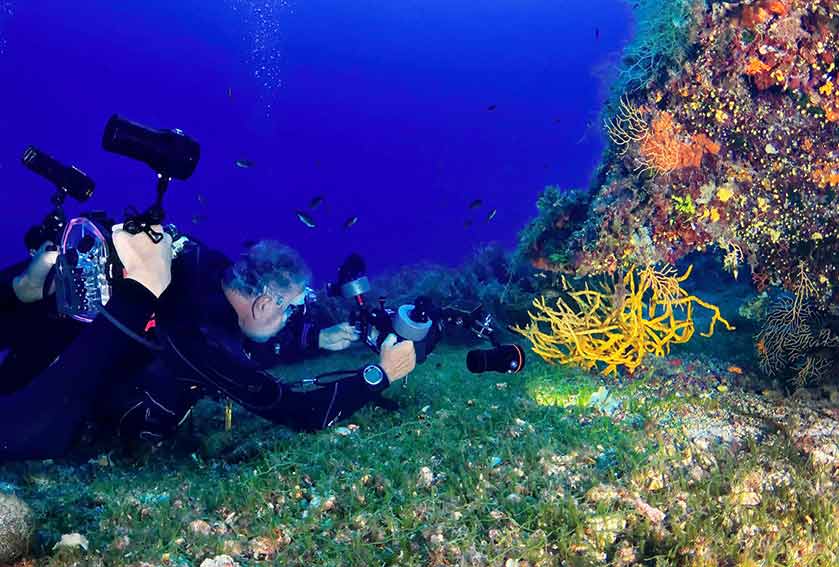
[{"x": 374, "y": 376}]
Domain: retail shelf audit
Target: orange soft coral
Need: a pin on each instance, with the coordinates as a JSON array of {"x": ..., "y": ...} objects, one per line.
[
  {"x": 755, "y": 67},
  {"x": 760, "y": 12},
  {"x": 663, "y": 150}
]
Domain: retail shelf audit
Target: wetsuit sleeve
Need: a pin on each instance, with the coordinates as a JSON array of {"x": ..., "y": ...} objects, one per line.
[
  {"x": 321, "y": 408},
  {"x": 8, "y": 299},
  {"x": 40, "y": 420},
  {"x": 299, "y": 340},
  {"x": 13, "y": 312}
]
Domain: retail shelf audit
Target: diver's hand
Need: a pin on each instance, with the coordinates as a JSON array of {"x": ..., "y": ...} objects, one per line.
[
  {"x": 145, "y": 262},
  {"x": 29, "y": 286},
  {"x": 397, "y": 359},
  {"x": 337, "y": 337}
]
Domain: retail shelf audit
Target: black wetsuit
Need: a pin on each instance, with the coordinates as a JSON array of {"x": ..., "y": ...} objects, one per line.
[{"x": 102, "y": 373}]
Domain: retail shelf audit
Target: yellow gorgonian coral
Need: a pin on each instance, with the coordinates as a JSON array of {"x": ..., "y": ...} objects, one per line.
[{"x": 644, "y": 313}]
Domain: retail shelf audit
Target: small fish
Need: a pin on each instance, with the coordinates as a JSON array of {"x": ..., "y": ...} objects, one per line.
[
  {"x": 229, "y": 92},
  {"x": 467, "y": 223},
  {"x": 305, "y": 219},
  {"x": 198, "y": 219},
  {"x": 317, "y": 200},
  {"x": 492, "y": 214},
  {"x": 596, "y": 33},
  {"x": 244, "y": 163},
  {"x": 475, "y": 204},
  {"x": 350, "y": 222},
  {"x": 491, "y": 107},
  {"x": 735, "y": 369},
  {"x": 200, "y": 198},
  {"x": 541, "y": 275},
  {"x": 248, "y": 243},
  {"x": 557, "y": 120}
]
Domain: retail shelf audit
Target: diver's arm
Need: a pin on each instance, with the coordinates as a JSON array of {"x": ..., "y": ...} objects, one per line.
[
  {"x": 40, "y": 419},
  {"x": 319, "y": 409},
  {"x": 312, "y": 410},
  {"x": 11, "y": 308}
]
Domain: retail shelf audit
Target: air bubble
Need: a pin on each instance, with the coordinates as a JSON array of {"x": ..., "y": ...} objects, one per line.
[
  {"x": 7, "y": 11},
  {"x": 261, "y": 23}
]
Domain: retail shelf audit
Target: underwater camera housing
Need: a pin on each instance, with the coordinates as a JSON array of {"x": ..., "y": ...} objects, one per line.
[
  {"x": 87, "y": 262},
  {"x": 409, "y": 322},
  {"x": 422, "y": 323}
]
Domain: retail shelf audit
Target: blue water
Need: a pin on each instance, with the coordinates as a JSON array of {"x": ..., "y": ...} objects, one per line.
[{"x": 381, "y": 107}]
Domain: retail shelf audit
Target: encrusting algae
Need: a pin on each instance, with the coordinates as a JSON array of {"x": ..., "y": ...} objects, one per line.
[{"x": 645, "y": 313}]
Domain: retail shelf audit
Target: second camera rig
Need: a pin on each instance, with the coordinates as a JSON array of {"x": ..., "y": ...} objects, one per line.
[{"x": 87, "y": 262}]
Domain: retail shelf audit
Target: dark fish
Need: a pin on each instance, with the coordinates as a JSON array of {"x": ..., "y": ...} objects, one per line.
[
  {"x": 244, "y": 163},
  {"x": 200, "y": 198},
  {"x": 229, "y": 92},
  {"x": 197, "y": 219},
  {"x": 557, "y": 121},
  {"x": 492, "y": 214},
  {"x": 248, "y": 243},
  {"x": 467, "y": 223},
  {"x": 306, "y": 219},
  {"x": 596, "y": 33},
  {"x": 475, "y": 204},
  {"x": 313, "y": 204},
  {"x": 350, "y": 221},
  {"x": 491, "y": 107}
]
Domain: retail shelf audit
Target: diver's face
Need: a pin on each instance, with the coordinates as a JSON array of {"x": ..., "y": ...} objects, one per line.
[{"x": 270, "y": 312}]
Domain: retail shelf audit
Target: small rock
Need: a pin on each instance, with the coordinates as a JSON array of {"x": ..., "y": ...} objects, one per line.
[
  {"x": 200, "y": 527},
  {"x": 16, "y": 528},
  {"x": 328, "y": 504},
  {"x": 602, "y": 493},
  {"x": 231, "y": 547},
  {"x": 747, "y": 498},
  {"x": 72, "y": 540},
  {"x": 262, "y": 548},
  {"x": 651, "y": 513},
  {"x": 219, "y": 561},
  {"x": 606, "y": 527},
  {"x": 121, "y": 543},
  {"x": 770, "y": 149},
  {"x": 425, "y": 478}
]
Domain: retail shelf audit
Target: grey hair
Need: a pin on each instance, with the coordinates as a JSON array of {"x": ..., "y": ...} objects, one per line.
[{"x": 267, "y": 265}]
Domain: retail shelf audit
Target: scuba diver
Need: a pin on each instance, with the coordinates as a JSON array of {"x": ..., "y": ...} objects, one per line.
[{"x": 172, "y": 332}]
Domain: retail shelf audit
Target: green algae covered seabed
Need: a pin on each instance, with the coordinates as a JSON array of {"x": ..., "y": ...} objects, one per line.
[{"x": 689, "y": 462}]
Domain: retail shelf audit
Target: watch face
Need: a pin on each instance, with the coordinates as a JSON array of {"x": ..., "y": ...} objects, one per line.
[{"x": 372, "y": 375}]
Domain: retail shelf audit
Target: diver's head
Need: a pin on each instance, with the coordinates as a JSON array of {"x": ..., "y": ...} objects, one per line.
[{"x": 264, "y": 286}]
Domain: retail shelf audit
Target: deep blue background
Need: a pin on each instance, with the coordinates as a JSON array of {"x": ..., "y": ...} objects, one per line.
[{"x": 381, "y": 107}]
